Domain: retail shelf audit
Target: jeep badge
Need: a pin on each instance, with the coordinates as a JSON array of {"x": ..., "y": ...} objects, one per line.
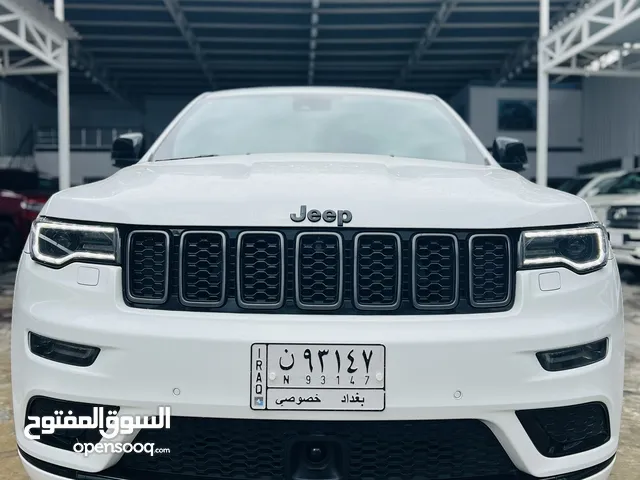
[{"x": 329, "y": 216}]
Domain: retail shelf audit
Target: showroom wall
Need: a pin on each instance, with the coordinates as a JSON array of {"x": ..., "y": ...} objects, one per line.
[
  {"x": 102, "y": 112},
  {"x": 511, "y": 112},
  {"x": 611, "y": 119},
  {"x": 18, "y": 112},
  {"x": 479, "y": 106},
  {"x": 85, "y": 166},
  {"x": 482, "y": 107}
]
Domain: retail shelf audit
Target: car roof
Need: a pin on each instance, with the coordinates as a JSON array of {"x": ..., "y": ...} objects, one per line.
[{"x": 319, "y": 90}]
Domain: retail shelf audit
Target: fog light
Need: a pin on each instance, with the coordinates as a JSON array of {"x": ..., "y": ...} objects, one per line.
[
  {"x": 573, "y": 357},
  {"x": 62, "y": 352}
]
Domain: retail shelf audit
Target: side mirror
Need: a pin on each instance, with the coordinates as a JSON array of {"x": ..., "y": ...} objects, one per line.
[
  {"x": 127, "y": 149},
  {"x": 510, "y": 153}
]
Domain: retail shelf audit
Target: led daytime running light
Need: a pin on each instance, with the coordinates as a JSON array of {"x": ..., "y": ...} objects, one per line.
[
  {"x": 598, "y": 231},
  {"x": 36, "y": 238}
]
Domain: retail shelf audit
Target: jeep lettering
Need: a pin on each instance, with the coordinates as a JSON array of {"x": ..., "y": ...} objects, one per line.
[{"x": 329, "y": 216}]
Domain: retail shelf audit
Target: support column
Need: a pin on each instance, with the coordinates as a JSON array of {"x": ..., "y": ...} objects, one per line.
[
  {"x": 64, "y": 141},
  {"x": 542, "y": 129}
]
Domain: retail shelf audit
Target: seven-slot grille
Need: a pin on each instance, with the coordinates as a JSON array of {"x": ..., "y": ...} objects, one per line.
[{"x": 294, "y": 270}]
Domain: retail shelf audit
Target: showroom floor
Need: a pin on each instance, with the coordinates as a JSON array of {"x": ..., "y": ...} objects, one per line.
[{"x": 627, "y": 466}]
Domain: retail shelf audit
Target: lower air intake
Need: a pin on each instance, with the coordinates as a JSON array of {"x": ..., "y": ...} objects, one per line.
[
  {"x": 225, "y": 449},
  {"x": 561, "y": 431}
]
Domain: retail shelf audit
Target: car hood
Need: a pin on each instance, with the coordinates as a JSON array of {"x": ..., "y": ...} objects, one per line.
[{"x": 264, "y": 190}]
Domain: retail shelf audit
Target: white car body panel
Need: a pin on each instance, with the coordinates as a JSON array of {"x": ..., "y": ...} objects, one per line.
[
  {"x": 480, "y": 366},
  {"x": 491, "y": 365},
  {"x": 394, "y": 192}
]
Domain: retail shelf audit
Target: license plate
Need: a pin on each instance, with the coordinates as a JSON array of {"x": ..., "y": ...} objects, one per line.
[
  {"x": 317, "y": 377},
  {"x": 616, "y": 239}
]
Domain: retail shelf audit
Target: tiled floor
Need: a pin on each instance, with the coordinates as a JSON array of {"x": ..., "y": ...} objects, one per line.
[{"x": 627, "y": 465}]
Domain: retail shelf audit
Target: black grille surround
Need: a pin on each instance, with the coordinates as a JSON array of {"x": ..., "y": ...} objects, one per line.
[
  {"x": 490, "y": 270},
  {"x": 148, "y": 278},
  {"x": 319, "y": 270},
  {"x": 202, "y": 268},
  {"x": 442, "y": 283}
]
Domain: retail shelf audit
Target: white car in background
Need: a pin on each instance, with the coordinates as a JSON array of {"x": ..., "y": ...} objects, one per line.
[
  {"x": 623, "y": 224},
  {"x": 627, "y": 186},
  {"x": 588, "y": 185}
]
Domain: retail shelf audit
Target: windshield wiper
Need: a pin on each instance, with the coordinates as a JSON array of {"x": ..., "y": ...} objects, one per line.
[{"x": 188, "y": 158}]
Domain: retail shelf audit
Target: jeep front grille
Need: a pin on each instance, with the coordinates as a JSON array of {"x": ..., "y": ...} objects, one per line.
[
  {"x": 378, "y": 267},
  {"x": 148, "y": 275},
  {"x": 313, "y": 271},
  {"x": 261, "y": 270},
  {"x": 490, "y": 270},
  {"x": 319, "y": 270},
  {"x": 202, "y": 268}
]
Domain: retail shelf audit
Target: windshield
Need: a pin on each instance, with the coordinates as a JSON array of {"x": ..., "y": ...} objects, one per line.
[
  {"x": 628, "y": 183},
  {"x": 605, "y": 183},
  {"x": 574, "y": 185},
  {"x": 303, "y": 122}
]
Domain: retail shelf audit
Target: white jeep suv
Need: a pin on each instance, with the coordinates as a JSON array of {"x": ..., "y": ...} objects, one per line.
[{"x": 317, "y": 283}]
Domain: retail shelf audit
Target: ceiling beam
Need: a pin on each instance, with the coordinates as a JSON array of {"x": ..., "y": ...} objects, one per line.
[
  {"x": 82, "y": 60},
  {"x": 287, "y": 41},
  {"x": 298, "y": 52},
  {"x": 359, "y": 2},
  {"x": 291, "y": 26},
  {"x": 265, "y": 8},
  {"x": 175, "y": 10},
  {"x": 526, "y": 53},
  {"x": 426, "y": 40},
  {"x": 313, "y": 36}
]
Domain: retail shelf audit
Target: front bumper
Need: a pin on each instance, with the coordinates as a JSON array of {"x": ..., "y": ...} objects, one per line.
[{"x": 146, "y": 356}]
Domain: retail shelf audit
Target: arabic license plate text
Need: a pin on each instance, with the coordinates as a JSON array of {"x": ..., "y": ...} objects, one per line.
[{"x": 317, "y": 377}]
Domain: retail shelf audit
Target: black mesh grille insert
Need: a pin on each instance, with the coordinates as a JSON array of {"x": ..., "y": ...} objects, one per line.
[
  {"x": 319, "y": 270},
  {"x": 490, "y": 270},
  {"x": 561, "y": 431},
  {"x": 436, "y": 270},
  {"x": 225, "y": 449},
  {"x": 377, "y": 270},
  {"x": 148, "y": 266},
  {"x": 203, "y": 268},
  {"x": 260, "y": 269}
]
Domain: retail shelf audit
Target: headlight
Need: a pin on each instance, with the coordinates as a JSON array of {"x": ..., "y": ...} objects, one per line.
[
  {"x": 582, "y": 249},
  {"x": 56, "y": 243}
]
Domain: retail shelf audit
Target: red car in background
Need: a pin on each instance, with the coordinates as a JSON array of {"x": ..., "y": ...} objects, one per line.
[{"x": 22, "y": 196}]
